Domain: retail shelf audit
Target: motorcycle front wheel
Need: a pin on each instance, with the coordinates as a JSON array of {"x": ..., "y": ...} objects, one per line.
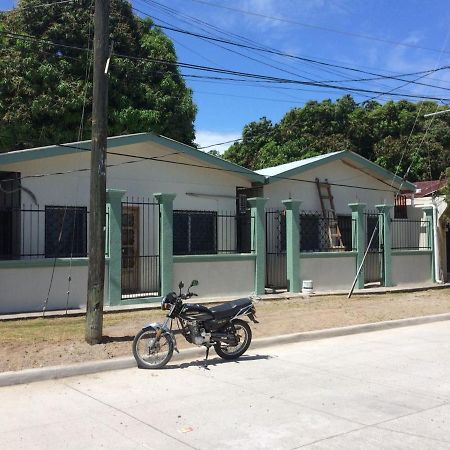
[
  {"x": 243, "y": 333},
  {"x": 151, "y": 352}
]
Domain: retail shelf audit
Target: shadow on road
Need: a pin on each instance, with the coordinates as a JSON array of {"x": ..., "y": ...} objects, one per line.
[
  {"x": 108, "y": 339},
  {"x": 216, "y": 361}
]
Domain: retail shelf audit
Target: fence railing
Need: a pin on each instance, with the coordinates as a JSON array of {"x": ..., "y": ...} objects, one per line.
[
  {"x": 140, "y": 248},
  {"x": 31, "y": 232},
  {"x": 211, "y": 232},
  {"x": 411, "y": 234},
  {"x": 325, "y": 234}
]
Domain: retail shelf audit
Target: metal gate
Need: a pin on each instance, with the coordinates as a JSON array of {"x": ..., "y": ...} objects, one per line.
[
  {"x": 276, "y": 277},
  {"x": 374, "y": 262},
  {"x": 140, "y": 249}
]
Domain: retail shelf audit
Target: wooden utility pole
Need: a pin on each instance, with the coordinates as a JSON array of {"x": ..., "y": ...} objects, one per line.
[{"x": 97, "y": 222}]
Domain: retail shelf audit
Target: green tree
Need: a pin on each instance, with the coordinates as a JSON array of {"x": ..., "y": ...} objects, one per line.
[
  {"x": 43, "y": 86},
  {"x": 394, "y": 134}
]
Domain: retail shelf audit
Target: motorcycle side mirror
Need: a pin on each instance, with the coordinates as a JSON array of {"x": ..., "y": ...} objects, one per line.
[
  {"x": 180, "y": 285},
  {"x": 194, "y": 283}
]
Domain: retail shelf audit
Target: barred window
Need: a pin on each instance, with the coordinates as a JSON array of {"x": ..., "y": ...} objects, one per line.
[
  {"x": 194, "y": 232},
  {"x": 309, "y": 233},
  {"x": 65, "y": 231},
  {"x": 400, "y": 208}
]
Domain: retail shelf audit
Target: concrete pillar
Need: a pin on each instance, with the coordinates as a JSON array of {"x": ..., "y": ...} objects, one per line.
[
  {"x": 166, "y": 241},
  {"x": 358, "y": 237},
  {"x": 114, "y": 244},
  {"x": 385, "y": 225},
  {"x": 259, "y": 241},
  {"x": 293, "y": 244},
  {"x": 429, "y": 217}
]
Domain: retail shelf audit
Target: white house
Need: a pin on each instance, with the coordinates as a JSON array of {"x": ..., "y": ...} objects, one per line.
[{"x": 199, "y": 225}]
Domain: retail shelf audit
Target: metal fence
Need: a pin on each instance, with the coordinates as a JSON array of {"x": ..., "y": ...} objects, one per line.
[
  {"x": 410, "y": 234},
  {"x": 31, "y": 232},
  {"x": 140, "y": 248},
  {"x": 319, "y": 233},
  {"x": 276, "y": 276},
  {"x": 211, "y": 232}
]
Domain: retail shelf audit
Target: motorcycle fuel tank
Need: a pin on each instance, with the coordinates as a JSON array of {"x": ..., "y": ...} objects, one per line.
[{"x": 195, "y": 312}]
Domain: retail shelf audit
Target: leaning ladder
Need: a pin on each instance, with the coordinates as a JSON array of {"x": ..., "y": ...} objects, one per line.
[{"x": 329, "y": 213}]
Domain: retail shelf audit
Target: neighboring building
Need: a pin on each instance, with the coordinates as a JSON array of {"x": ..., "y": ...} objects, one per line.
[
  {"x": 428, "y": 194},
  {"x": 207, "y": 230}
]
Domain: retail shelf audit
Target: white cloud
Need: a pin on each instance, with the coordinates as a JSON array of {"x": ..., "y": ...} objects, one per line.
[{"x": 206, "y": 138}]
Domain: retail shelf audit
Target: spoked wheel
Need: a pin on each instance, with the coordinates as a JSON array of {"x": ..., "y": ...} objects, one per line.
[
  {"x": 150, "y": 351},
  {"x": 243, "y": 335}
]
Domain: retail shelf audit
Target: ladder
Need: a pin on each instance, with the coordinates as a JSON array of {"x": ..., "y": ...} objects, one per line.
[{"x": 329, "y": 213}]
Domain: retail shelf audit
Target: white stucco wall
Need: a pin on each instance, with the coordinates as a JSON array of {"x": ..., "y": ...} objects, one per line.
[
  {"x": 328, "y": 273},
  {"x": 411, "y": 268},
  {"x": 336, "y": 172},
  {"x": 217, "y": 278},
  {"x": 140, "y": 178},
  {"x": 25, "y": 289}
]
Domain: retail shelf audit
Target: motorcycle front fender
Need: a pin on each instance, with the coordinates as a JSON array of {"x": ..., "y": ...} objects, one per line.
[{"x": 164, "y": 330}]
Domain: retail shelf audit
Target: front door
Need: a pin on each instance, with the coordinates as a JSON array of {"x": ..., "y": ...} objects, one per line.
[{"x": 130, "y": 249}]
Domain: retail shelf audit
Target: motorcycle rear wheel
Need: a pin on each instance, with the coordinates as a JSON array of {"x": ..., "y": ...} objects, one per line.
[
  {"x": 244, "y": 333},
  {"x": 151, "y": 352}
]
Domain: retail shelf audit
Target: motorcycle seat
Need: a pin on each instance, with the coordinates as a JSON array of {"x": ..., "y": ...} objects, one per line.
[{"x": 229, "y": 309}]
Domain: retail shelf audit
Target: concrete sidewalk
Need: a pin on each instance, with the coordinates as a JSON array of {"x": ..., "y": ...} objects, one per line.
[
  {"x": 381, "y": 390},
  {"x": 271, "y": 296}
]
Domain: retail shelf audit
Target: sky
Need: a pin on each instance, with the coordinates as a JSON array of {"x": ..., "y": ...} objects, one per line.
[{"x": 380, "y": 36}]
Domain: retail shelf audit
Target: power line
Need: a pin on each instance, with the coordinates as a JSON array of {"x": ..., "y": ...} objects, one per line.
[
  {"x": 318, "y": 27},
  {"x": 235, "y": 73}
]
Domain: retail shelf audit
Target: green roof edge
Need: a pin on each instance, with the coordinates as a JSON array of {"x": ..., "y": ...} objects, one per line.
[{"x": 117, "y": 141}]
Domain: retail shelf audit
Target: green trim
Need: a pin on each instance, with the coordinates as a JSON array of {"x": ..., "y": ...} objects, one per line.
[
  {"x": 44, "y": 262},
  {"x": 258, "y": 243},
  {"x": 385, "y": 225},
  {"x": 139, "y": 301},
  {"x": 428, "y": 210},
  {"x": 328, "y": 254},
  {"x": 358, "y": 234},
  {"x": 130, "y": 139},
  {"x": 213, "y": 258},
  {"x": 166, "y": 241},
  {"x": 411, "y": 252},
  {"x": 344, "y": 154},
  {"x": 114, "y": 245},
  {"x": 292, "y": 244}
]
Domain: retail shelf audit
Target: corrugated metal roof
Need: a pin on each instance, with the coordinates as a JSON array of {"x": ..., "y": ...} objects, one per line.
[{"x": 277, "y": 170}]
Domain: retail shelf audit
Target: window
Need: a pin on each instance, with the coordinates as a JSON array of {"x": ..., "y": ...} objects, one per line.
[
  {"x": 400, "y": 210},
  {"x": 65, "y": 231},
  {"x": 194, "y": 232},
  {"x": 309, "y": 233},
  {"x": 345, "y": 228}
]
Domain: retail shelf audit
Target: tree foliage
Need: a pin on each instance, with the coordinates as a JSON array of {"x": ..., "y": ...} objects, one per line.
[
  {"x": 42, "y": 87},
  {"x": 394, "y": 134}
]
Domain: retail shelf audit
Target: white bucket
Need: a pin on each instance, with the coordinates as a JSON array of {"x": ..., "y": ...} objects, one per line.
[{"x": 307, "y": 287}]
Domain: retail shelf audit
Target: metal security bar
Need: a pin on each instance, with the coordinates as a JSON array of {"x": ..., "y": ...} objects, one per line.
[
  {"x": 52, "y": 231},
  {"x": 211, "y": 232},
  {"x": 276, "y": 276},
  {"x": 318, "y": 233},
  {"x": 411, "y": 234},
  {"x": 140, "y": 248}
]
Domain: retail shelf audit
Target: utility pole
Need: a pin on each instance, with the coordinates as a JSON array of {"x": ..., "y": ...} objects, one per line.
[{"x": 97, "y": 222}]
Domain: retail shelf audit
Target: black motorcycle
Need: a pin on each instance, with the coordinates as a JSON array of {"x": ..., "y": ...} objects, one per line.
[{"x": 220, "y": 327}]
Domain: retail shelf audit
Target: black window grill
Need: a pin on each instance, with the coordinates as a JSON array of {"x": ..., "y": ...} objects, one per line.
[
  {"x": 194, "y": 232},
  {"x": 65, "y": 231}
]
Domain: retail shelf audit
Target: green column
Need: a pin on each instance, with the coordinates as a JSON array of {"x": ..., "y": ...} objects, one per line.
[
  {"x": 385, "y": 231},
  {"x": 114, "y": 244},
  {"x": 428, "y": 211},
  {"x": 166, "y": 241},
  {"x": 358, "y": 238},
  {"x": 259, "y": 242},
  {"x": 293, "y": 244}
]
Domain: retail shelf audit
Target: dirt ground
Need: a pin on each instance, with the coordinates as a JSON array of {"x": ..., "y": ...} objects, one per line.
[{"x": 54, "y": 341}]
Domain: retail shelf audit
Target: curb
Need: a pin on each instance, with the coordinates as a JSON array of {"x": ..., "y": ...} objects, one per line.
[{"x": 56, "y": 372}]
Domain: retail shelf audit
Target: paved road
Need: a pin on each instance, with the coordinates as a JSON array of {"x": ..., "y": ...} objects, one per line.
[{"x": 386, "y": 389}]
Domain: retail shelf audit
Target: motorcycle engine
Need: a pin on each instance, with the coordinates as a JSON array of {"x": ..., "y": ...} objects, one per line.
[{"x": 198, "y": 334}]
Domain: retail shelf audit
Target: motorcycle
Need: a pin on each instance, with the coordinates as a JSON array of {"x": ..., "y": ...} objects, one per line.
[{"x": 220, "y": 327}]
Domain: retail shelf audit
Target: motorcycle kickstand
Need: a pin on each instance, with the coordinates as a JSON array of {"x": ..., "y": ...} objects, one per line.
[{"x": 206, "y": 357}]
